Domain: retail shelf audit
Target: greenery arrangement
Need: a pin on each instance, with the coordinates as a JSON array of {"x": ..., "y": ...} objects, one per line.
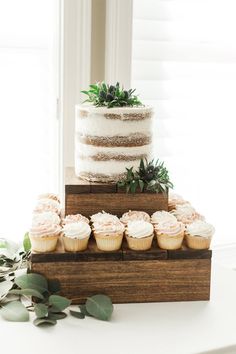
[
  {"x": 152, "y": 176},
  {"x": 104, "y": 95},
  {"x": 21, "y": 293}
]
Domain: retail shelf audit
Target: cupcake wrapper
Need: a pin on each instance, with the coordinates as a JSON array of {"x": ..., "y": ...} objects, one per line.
[
  {"x": 109, "y": 242},
  {"x": 44, "y": 244},
  {"x": 139, "y": 244},
  {"x": 198, "y": 242},
  {"x": 75, "y": 244},
  {"x": 168, "y": 242}
]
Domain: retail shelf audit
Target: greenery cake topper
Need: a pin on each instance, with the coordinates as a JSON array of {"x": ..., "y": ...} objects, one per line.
[
  {"x": 104, "y": 95},
  {"x": 152, "y": 176}
]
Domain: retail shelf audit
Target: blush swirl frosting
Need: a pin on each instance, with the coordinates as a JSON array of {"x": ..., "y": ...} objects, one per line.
[
  {"x": 108, "y": 227},
  {"x": 162, "y": 216},
  {"x": 170, "y": 228},
  {"x": 47, "y": 205},
  {"x": 103, "y": 217},
  {"x": 46, "y": 217},
  {"x": 75, "y": 218},
  {"x": 77, "y": 230},
  {"x": 133, "y": 215},
  {"x": 186, "y": 214},
  {"x": 139, "y": 229},
  {"x": 200, "y": 228},
  {"x": 45, "y": 230}
]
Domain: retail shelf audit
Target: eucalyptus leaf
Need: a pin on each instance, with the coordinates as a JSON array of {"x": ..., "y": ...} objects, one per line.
[
  {"x": 29, "y": 292},
  {"x": 58, "y": 303},
  {"x": 26, "y": 242},
  {"x": 77, "y": 314},
  {"x": 32, "y": 281},
  {"x": 15, "y": 311},
  {"x": 100, "y": 307},
  {"x": 84, "y": 311},
  {"x": 5, "y": 286},
  {"x": 57, "y": 315},
  {"x": 44, "y": 322},
  {"x": 40, "y": 310}
]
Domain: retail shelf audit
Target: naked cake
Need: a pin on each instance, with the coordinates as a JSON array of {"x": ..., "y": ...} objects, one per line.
[{"x": 110, "y": 139}]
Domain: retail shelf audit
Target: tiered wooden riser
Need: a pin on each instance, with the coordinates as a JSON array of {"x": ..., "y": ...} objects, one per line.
[
  {"x": 128, "y": 276},
  {"x": 89, "y": 198}
]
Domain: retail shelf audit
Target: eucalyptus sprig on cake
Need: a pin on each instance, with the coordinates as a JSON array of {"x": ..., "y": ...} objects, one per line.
[
  {"x": 104, "y": 95},
  {"x": 151, "y": 176}
]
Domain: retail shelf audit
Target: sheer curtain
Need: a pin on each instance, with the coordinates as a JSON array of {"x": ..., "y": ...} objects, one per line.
[
  {"x": 184, "y": 64},
  {"x": 28, "y": 123}
]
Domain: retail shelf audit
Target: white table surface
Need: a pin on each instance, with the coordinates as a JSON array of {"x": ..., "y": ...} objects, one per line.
[{"x": 163, "y": 328}]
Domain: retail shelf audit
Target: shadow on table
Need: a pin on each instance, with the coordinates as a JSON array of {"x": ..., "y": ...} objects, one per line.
[{"x": 226, "y": 350}]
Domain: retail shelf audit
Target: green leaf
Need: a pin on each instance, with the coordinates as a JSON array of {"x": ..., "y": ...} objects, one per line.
[
  {"x": 84, "y": 311},
  {"x": 32, "y": 281},
  {"x": 44, "y": 321},
  {"x": 57, "y": 315},
  {"x": 58, "y": 303},
  {"x": 5, "y": 286},
  {"x": 99, "y": 306},
  {"x": 40, "y": 310},
  {"x": 77, "y": 314},
  {"x": 29, "y": 292},
  {"x": 26, "y": 242},
  {"x": 15, "y": 311},
  {"x": 141, "y": 184}
]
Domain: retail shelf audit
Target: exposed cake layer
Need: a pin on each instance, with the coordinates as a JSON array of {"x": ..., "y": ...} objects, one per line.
[{"x": 131, "y": 140}]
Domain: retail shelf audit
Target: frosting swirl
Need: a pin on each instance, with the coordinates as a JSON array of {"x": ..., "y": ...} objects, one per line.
[
  {"x": 132, "y": 215},
  {"x": 170, "y": 228},
  {"x": 200, "y": 228},
  {"x": 162, "y": 216},
  {"x": 49, "y": 196},
  {"x": 78, "y": 230},
  {"x": 103, "y": 217},
  {"x": 139, "y": 229},
  {"x": 174, "y": 200},
  {"x": 45, "y": 230},
  {"x": 47, "y": 205},
  {"x": 186, "y": 214},
  {"x": 46, "y": 217},
  {"x": 109, "y": 227},
  {"x": 75, "y": 218}
]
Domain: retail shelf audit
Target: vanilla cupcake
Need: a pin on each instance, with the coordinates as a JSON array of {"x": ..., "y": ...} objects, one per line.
[
  {"x": 75, "y": 236},
  {"x": 103, "y": 217},
  {"x": 47, "y": 205},
  {"x": 108, "y": 235},
  {"x": 139, "y": 235},
  {"x": 198, "y": 235},
  {"x": 133, "y": 215},
  {"x": 162, "y": 216},
  {"x": 46, "y": 217},
  {"x": 75, "y": 218},
  {"x": 174, "y": 200},
  {"x": 186, "y": 214},
  {"x": 49, "y": 196},
  {"x": 44, "y": 237},
  {"x": 170, "y": 234}
]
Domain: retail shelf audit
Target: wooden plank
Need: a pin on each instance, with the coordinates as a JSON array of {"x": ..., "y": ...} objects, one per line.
[
  {"x": 153, "y": 253},
  {"x": 103, "y": 188},
  {"x": 187, "y": 253},
  {"x": 132, "y": 281},
  {"x": 115, "y": 203}
]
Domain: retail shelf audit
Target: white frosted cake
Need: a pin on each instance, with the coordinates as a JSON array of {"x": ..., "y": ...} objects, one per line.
[{"x": 107, "y": 140}]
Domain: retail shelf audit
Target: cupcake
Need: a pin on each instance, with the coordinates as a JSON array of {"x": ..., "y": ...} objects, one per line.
[
  {"x": 46, "y": 217},
  {"x": 104, "y": 217},
  {"x": 139, "y": 235},
  {"x": 198, "y": 235},
  {"x": 170, "y": 234},
  {"x": 186, "y": 214},
  {"x": 108, "y": 235},
  {"x": 47, "y": 205},
  {"x": 133, "y": 215},
  {"x": 162, "y": 216},
  {"x": 49, "y": 196},
  {"x": 174, "y": 200},
  {"x": 75, "y": 236},
  {"x": 75, "y": 218},
  {"x": 44, "y": 237}
]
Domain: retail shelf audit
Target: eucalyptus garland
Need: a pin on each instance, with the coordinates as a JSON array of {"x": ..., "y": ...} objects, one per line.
[{"x": 21, "y": 293}]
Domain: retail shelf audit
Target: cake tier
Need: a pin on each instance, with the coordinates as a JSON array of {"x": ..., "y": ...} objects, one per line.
[{"x": 109, "y": 140}]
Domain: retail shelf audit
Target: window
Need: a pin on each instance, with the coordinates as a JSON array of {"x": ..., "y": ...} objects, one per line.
[
  {"x": 28, "y": 122},
  {"x": 184, "y": 64}
]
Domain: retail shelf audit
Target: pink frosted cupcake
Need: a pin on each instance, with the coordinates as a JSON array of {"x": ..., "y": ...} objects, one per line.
[
  {"x": 49, "y": 196},
  {"x": 76, "y": 236},
  {"x": 198, "y": 235},
  {"x": 174, "y": 200},
  {"x": 133, "y": 215},
  {"x": 108, "y": 235},
  {"x": 44, "y": 237},
  {"x": 170, "y": 234},
  {"x": 75, "y": 218},
  {"x": 139, "y": 235},
  {"x": 186, "y": 214},
  {"x": 46, "y": 217},
  {"x": 162, "y": 216},
  {"x": 47, "y": 205},
  {"x": 103, "y": 217}
]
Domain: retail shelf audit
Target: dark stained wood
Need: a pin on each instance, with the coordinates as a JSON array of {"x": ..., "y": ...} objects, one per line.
[
  {"x": 115, "y": 203},
  {"x": 153, "y": 253},
  {"x": 103, "y": 188},
  {"x": 187, "y": 253},
  {"x": 73, "y": 184},
  {"x": 132, "y": 281}
]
